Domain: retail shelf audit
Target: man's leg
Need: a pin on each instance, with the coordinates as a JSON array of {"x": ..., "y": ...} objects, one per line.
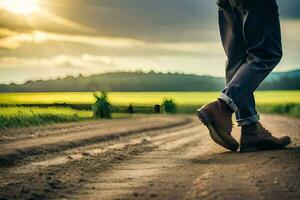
[
  {"x": 261, "y": 32},
  {"x": 217, "y": 116},
  {"x": 231, "y": 26}
]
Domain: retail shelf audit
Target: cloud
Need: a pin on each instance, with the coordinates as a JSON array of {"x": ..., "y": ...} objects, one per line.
[
  {"x": 155, "y": 20},
  {"x": 121, "y": 45},
  {"x": 168, "y": 20},
  {"x": 289, "y": 9},
  {"x": 36, "y": 68},
  {"x": 92, "y": 36},
  {"x": 58, "y": 66},
  {"x": 86, "y": 61},
  {"x": 16, "y": 40},
  {"x": 5, "y": 32}
]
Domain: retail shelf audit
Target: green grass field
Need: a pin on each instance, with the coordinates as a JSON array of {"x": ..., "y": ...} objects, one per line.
[{"x": 13, "y": 114}]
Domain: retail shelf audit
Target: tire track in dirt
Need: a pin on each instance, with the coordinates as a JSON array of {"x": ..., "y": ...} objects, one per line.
[
  {"x": 142, "y": 169},
  {"x": 20, "y": 149},
  {"x": 97, "y": 149},
  {"x": 32, "y": 183}
]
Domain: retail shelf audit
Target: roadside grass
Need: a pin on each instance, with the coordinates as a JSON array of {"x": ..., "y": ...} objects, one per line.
[
  {"x": 34, "y": 111},
  {"x": 18, "y": 116},
  {"x": 17, "y": 121},
  {"x": 290, "y": 109}
]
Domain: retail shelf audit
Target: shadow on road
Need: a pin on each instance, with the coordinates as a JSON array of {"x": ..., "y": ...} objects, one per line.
[{"x": 233, "y": 158}]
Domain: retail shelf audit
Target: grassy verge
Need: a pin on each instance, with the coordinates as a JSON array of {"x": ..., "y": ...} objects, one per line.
[
  {"x": 17, "y": 121},
  {"x": 16, "y": 117},
  {"x": 292, "y": 110},
  {"x": 20, "y": 116}
]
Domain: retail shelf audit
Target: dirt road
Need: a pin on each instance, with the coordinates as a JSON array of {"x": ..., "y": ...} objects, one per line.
[{"x": 153, "y": 157}]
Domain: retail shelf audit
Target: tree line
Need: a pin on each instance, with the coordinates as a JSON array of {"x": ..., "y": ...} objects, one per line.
[{"x": 139, "y": 81}]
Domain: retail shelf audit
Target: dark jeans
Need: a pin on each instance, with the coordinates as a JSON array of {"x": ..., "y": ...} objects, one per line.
[{"x": 250, "y": 33}]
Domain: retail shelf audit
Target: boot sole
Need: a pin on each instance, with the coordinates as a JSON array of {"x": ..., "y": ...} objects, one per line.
[
  {"x": 247, "y": 149},
  {"x": 219, "y": 138}
]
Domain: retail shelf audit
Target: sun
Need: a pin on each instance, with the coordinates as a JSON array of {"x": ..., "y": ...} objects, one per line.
[{"x": 20, "y": 7}]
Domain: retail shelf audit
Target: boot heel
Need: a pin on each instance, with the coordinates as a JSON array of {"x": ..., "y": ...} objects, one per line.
[{"x": 203, "y": 117}]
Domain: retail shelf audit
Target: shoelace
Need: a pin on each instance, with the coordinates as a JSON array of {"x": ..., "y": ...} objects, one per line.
[{"x": 266, "y": 131}]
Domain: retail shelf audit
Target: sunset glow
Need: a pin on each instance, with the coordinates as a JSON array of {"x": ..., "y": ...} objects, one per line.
[{"x": 20, "y": 7}]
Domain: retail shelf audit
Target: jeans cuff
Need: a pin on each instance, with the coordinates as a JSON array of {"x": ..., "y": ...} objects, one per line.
[
  {"x": 229, "y": 102},
  {"x": 248, "y": 120}
]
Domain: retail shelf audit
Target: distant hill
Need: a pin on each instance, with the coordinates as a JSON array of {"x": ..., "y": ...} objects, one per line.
[
  {"x": 289, "y": 74},
  {"x": 282, "y": 81},
  {"x": 122, "y": 81},
  {"x": 139, "y": 81}
]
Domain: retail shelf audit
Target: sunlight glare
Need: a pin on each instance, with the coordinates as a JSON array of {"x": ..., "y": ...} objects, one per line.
[{"x": 20, "y": 7}]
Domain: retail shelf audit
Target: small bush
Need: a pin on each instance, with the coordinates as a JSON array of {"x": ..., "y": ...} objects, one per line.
[
  {"x": 169, "y": 106},
  {"x": 102, "y": 108},
  {"x": 295, "y": 111},
  {"x": 130, "y": 109}
]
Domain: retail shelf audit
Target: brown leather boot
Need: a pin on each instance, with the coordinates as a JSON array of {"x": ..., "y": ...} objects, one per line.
[
  {"x": 255, "y": 138},
  {"x": 217, "y": 117}
]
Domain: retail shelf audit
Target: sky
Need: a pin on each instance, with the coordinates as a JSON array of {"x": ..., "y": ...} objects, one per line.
[{"x": 46, "y": 39}]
